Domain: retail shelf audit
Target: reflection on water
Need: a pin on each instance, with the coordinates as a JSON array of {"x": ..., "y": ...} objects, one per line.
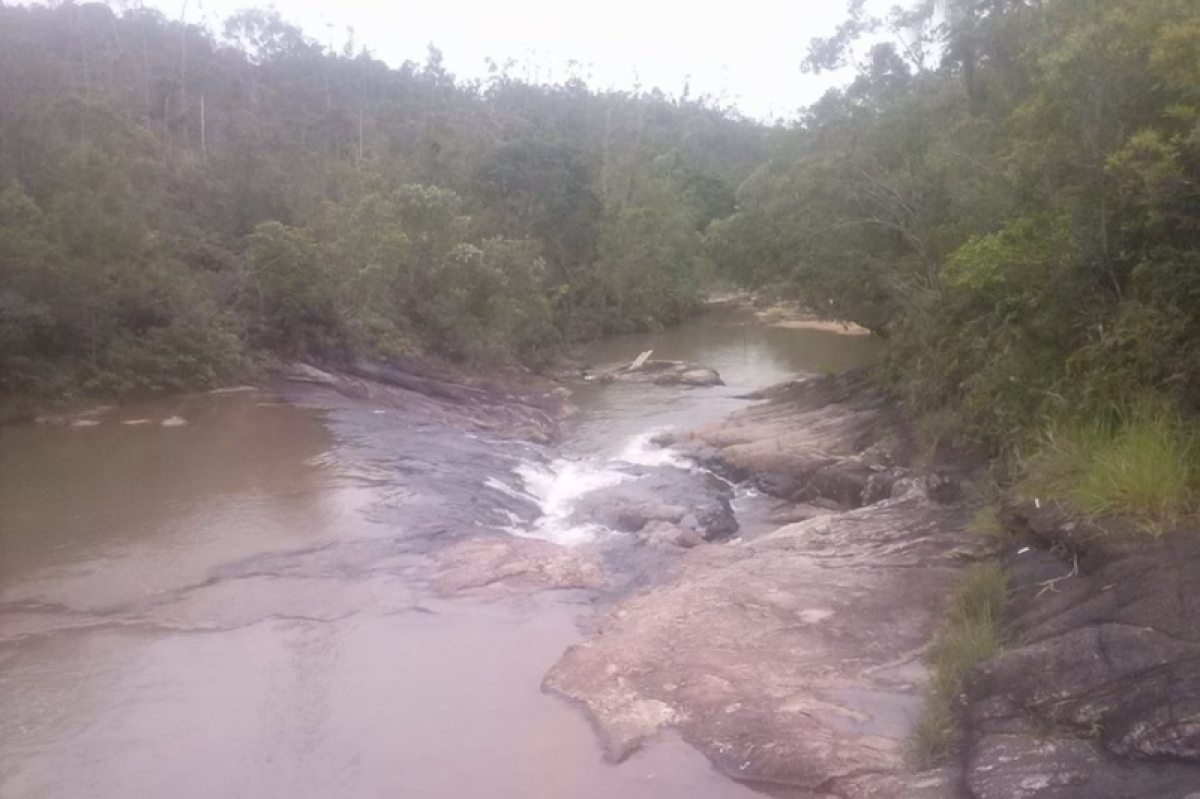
[
  {"x": 104, "y": 514},
  {"x": 749, "y": 356}
]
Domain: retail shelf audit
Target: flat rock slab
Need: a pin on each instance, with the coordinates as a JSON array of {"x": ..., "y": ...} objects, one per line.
[
  {"x": 793, "y": 661},
  {"x": 504, "y": 565}
]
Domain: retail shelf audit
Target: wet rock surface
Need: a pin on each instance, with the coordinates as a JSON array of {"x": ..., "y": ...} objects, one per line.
[
  {"x": 517, "y": 405},
  {"x": 503, "y": 564},
  {"x": 830, "y": 440},
  {"x": 659, "y": 372},
  {"x": 793, "y": 660},
  {"x": 1099, "y": 693},
  {"x": 682, "y": 498}
]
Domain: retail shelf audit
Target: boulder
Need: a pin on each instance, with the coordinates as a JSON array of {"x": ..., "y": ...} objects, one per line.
[{"x": 681, "y": 497}]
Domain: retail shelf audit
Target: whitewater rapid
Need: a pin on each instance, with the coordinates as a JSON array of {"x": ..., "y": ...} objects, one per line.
[{"x": 558, "y": 486}]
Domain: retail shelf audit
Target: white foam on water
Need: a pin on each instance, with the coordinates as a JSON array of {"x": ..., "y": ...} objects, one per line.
[
  {"x": 642, "y": 450},
  {"x": 557, "y": 487}
]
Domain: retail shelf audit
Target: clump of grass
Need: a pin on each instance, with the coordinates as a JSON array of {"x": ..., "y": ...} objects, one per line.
[
  {"x": 1143, "y": 461},
  {"x": 936, "y": 432},
  {"x": 986, "y": 523},
  {"x": 969, "y": 636}
]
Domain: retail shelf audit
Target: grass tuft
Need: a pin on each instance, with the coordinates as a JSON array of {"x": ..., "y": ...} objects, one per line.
[
  {"x": 1143, "y": 462},
  {"x": 970, "y": 635},
  {"x": 986, "y": 523}
]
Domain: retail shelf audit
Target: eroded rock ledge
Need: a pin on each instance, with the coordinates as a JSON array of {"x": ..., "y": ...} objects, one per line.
[
  {"x": 1098, "y": 696},
  {"x": 793, "y": 660}
]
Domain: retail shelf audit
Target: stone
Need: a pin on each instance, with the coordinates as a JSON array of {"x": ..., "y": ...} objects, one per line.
[
  {"x": 504, "y": 564},
  {"x": 1032, "y": 767},
  {"x": 662, "y": 494}
]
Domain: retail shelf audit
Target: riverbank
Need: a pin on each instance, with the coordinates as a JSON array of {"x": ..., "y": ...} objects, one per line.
[
  {"x": 784, "y": 315},
  {"x": 794, "y": 660}
]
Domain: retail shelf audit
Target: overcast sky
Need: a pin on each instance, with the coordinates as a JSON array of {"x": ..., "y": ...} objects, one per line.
[{"x": 746, "y": 52}]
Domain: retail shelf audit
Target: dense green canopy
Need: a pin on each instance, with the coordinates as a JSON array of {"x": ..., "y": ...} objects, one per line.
[
  {"x": 1010, "y": 192},
  {"x": 175, "y": 201}
]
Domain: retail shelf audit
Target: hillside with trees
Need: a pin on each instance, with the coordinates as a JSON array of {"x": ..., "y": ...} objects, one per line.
[
  {"x": 177, "y": 202},
  {"x": 1009, "y": 192}
]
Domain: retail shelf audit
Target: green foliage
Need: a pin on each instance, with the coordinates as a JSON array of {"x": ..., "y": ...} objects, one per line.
[
  {"x": 1141, "y": 460},
  {"x": 90, "y": 300},
  {"x": 986, "y": 522},
  {"x": 385, "y": 274},
  {"x": 652, "y": 270},
  {"x": 969, "y": 636},
  {"x": 1019, "y": 221},
  {"x": 174, "y": 201}
]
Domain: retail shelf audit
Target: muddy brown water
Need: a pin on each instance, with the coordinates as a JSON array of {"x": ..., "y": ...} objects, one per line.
[{"x": 221, "y": 609}]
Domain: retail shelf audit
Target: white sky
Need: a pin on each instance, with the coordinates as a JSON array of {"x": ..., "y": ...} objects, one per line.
[{"x": 745, "y": 52}]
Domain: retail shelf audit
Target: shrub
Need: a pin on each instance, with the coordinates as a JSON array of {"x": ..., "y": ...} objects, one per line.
[
  {"x": 969, "y": 636},
  {"x": 1140, "y": 461}
]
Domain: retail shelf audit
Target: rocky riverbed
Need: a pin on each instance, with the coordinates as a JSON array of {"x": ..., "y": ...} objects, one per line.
[
  {"x": 793, "y": 660},
  {"x": 764, "y": 586}
]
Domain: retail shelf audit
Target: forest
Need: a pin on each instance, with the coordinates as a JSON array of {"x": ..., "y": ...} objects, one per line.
[
  {"x": 179, "y": 203},
  {"x": 1007, "y": 192}
]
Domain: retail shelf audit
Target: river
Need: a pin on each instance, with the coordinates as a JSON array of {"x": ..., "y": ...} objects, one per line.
[{"x": 226, "y": 607}]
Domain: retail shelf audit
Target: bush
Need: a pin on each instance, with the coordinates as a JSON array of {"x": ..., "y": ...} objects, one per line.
[{"x": 1140, "y": 460}]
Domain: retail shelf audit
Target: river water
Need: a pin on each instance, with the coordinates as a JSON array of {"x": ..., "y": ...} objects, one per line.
[{"x": 224, "y": 608}]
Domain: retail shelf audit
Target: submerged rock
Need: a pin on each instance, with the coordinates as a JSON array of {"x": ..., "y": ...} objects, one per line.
[
  {"x": 506, "y": 564},
  {"x": 662, "y": 494},
  {"x": 663, "y": 373},
  {"x": 510, "y": 404}
]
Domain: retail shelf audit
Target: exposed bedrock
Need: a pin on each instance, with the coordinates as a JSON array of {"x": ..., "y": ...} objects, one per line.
[
  {"x": 829, "y": 440},
  {"x": 663, "y": 495},
  {"x": 1098, "y": 696},
  {"x": 795, "y": 659}
]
